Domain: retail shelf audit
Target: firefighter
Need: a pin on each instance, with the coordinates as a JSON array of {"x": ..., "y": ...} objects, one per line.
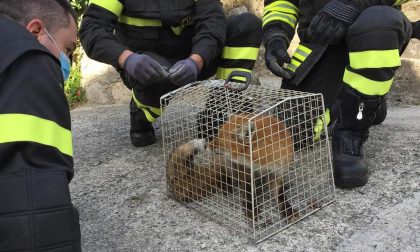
[
  {"x": 158, "y": 46},
  {"x": 36, "y": 213},
  {"x": 349, "y": 51}
]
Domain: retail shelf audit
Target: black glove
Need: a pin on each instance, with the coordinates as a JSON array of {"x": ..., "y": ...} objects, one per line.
[
  {"x": 416, "y": 30},
  {"x": 144, "y": 69},
  {"x": 183, "y": 72},
  {"x": 330, "y": 25},
  {"x": 276, "y": 55}
]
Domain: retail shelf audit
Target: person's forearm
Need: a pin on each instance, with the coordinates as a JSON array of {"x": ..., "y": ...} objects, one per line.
[
  {"x": 198, "y": 60},
  {"x": 123, "y": 57}
]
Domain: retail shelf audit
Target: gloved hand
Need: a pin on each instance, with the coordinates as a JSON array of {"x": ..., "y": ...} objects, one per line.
[
  {"x": 144, "y": 68},
  {"x": 276, "y": 56},
  {"x": 416, "y": 29},
  {"x": 183, "y": 72},
  {"x": 330, "y": 25}
]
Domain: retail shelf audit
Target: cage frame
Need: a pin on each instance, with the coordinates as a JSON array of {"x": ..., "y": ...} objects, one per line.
[{"x": 267, "y": 110}]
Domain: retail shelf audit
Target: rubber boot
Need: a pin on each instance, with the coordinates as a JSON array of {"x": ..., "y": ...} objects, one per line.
[
  {"x": 142, "y": 132},
  {"x": 356, "y": 113}
]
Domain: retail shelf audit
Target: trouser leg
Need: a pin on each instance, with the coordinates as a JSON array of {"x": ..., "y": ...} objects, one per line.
[
  {"x": 375, "y": 42},
  {"x": 145, "y": 103},
  {"x": 243, "y": 40}
]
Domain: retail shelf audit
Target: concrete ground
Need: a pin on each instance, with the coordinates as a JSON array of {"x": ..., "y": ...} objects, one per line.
[{"x": 121, "y": 195}]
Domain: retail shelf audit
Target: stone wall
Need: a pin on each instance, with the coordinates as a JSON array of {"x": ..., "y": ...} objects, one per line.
[{"x": 103, "y": 84}]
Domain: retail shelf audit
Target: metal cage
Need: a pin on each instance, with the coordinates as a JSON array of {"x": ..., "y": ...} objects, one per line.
[{"x": 251, "y": 158}]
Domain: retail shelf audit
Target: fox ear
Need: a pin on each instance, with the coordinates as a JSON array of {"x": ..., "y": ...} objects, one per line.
[{"x": 243, "y": 131}]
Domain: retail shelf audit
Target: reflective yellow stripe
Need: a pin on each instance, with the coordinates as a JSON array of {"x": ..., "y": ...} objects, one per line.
[
  {"x": 142, "y": 22},
  {"x": 295, "y": 62},
  {"x": 146, "y": 108},
  {"x": 366, "y": 86},
  {"x": 299, "y": 56},
  {"x": 287, "y": 18},
  {"x": 375, "y": 59},
  {"x": 223, "y": 73},
  {"x": 234, "y": 53},
  {"x": 282, "y": 8},
  {"x": 22, "y": 127},
  {"x": 285, "y": 4},
  {"x": 319, "y": 125},
  {"x": 304, "y": 49},
  {"x": 113, "y": 6}
]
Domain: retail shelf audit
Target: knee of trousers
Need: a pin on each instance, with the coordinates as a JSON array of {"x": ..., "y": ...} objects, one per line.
[
  {"x": 379, "y": 28},
  {"x": 244, "y": 29},
  {"x": 39, "y": 215}
]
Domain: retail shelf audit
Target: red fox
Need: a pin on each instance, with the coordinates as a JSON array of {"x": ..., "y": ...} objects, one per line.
[{"x": 245, "y": 143}]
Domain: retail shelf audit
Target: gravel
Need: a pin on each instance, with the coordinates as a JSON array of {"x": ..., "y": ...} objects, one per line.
[{"x": 121, "y": 195}]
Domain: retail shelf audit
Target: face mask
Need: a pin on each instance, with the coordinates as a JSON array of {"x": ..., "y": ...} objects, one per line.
[{"x": 64, "y": 60}]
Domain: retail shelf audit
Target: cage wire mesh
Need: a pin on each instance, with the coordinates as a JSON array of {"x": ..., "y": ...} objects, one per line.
[{"x": 248, "y": 159}]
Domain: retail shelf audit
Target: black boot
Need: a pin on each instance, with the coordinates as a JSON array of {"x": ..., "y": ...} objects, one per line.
[
  {"x": 351, "y": 130},
  {"x": 142, "y": 132}
]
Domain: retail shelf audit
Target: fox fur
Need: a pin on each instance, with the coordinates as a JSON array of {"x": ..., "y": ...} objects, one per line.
[{"x": 244, "y": 144}]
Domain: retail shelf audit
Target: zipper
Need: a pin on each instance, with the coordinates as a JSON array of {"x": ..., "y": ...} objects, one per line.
[{"x": 360, "y": 114}]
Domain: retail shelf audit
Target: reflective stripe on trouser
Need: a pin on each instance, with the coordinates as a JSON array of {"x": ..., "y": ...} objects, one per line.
[
  {"x": 242, "y": 45},
  {"x": 29, "y": 128},
  {"x": 375, "y": 41},
  {"x": 320, "y": 124},
  {"x": 150, "y": 113}
]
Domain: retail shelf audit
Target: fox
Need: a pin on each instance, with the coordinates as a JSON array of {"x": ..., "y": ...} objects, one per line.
[{"x": 245, "y": 144}]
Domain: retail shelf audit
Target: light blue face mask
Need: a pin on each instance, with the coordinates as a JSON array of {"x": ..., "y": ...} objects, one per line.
[{"x": 64, "y": 60}]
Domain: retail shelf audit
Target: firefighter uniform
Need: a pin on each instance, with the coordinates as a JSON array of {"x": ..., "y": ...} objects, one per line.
[
  {"x": 354, "y": 74},
  {"x": 36, "y": 165},
  {"x": 169, "y": 31}
]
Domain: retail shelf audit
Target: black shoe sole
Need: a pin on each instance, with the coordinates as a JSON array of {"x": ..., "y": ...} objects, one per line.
[
  {"x": 143, "y": 141},
  {"x": 350, "y": 181}
]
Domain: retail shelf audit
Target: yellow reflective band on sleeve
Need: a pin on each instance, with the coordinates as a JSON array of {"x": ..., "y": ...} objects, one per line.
[
  {"x": 366, "y": 86},
  {"x": 287, "y": 18},
  {"x": 146, "y": 109},
  {"x": 320, "y": 125},
  {"x": 141, "y": 22},
  {"x": 293, "y": 65},
  {"x": 113, "y": 6},
  {"x": 238, "y": 53},
  {"x": 223, "y": 73},
  {"x": 290, "y": 8},
  {"x": 304, "y": 49},
  {"x": 375, "y": 59},
  {"x": 29, "y": 128}
]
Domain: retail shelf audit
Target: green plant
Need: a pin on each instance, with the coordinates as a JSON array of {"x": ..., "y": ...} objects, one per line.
[
  {"x": 73, "y": 86},
  {"x": 79, "y": 5}
]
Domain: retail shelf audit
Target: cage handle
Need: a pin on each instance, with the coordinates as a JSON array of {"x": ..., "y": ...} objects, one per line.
[{"x": 245, "y": 85}]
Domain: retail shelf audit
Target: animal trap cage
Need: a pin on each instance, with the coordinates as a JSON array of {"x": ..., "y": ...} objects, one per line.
[{"x": 250, "y": 158}]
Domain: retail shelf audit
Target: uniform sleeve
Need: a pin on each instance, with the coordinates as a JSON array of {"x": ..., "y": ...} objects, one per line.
[
  {"x": 97, "y": 31},
  {"x": 34, "y": 116},
  {"x": 364, "y": 4},
  {"x": 281, "y": 15},
  {"x": 210, "y": 29}
]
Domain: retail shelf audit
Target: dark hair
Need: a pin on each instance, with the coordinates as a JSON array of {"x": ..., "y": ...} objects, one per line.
[{"x": 54, "y": 13}]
